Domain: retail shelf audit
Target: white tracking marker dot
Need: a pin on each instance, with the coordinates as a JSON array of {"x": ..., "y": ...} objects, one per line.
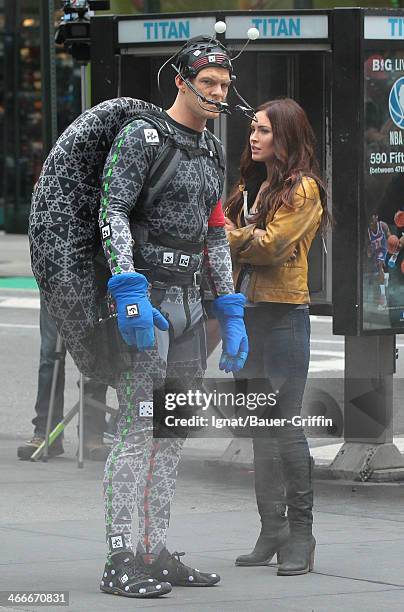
[
  {"x": 253, "y": 33},
  {"x": 220, "y": 27}
]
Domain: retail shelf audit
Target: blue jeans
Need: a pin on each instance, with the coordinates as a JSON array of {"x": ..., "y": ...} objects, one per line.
[
  {"x": 279, "y": 338},
  {"x": 94, "y": 419},
  {"x": 45, "y": 373}
]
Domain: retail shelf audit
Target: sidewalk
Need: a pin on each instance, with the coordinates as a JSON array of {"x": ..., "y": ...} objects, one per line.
[
  {"x": 14, "y": 255},
  {"x": 52, "y": 527},
  {"x": 51, "y": 521}
]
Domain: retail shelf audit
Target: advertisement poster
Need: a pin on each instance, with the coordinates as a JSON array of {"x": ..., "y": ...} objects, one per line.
[{"x": 383, "y": 227}]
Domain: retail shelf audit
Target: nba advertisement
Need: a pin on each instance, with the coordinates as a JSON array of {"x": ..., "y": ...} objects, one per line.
[{"x": 383, "y": 234}]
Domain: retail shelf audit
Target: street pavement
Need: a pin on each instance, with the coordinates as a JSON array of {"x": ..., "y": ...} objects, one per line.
[{"x": 51, "y": 514}]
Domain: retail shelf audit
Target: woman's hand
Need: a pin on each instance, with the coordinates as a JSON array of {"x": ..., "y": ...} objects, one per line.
[{"x": 229, "y": 225}]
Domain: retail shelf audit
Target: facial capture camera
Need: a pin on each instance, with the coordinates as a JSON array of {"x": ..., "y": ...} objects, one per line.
[{"x": 74, "y": 29}]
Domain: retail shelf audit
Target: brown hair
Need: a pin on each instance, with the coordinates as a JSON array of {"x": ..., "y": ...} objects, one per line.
[{"x": 293, "y": 158}]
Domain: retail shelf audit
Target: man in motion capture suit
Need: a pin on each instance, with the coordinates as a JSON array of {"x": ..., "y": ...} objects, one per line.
[
  {"x": 159, "y": 243},
  {"x": 142, "y": 186}
]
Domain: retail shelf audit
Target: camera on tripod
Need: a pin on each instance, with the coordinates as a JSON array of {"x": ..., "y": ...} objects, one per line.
[{"x": 74, "y": 29}]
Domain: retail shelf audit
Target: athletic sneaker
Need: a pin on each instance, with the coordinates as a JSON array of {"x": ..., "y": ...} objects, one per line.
[
  {"x": 25, "y": 452},
  {"x": 123, "y": 576},
  {"x": 168, "y": 566}
]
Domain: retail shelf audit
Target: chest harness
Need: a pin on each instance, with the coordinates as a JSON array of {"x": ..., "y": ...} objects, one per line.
[{"x": 160, "y": 174}]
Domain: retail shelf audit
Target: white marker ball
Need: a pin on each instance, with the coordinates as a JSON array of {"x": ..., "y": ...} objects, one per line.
[
  {"x": 253, "y": 33},
  {"x": 220, "y": 27}
]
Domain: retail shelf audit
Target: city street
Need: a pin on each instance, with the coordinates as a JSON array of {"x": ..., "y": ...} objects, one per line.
[
  {"x": 51, "y": 515},
  {"x": 149, "y": 120}
]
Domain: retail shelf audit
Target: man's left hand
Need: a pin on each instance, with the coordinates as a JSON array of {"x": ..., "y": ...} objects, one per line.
[{"x": 229, "y": 310}]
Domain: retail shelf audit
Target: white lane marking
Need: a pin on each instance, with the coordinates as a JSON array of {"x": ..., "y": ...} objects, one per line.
[
  {"x": 322, "y": 341},
  {"x": 399, "y": 442},
  {"x": 334, "y": 361},
  {"x": 328, "y": 365},
  {"x": 22, "y": 325},
  {"x": 319, "y": 341},
  {"x": 19, "y": 302},
  {"x": 328, "y": 452},
  {"x": 325, "y": 453},
  {"x": 324, "y": 353}
]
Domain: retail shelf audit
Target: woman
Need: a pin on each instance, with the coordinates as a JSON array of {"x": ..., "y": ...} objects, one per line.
[{"x": 271, "y": 220}]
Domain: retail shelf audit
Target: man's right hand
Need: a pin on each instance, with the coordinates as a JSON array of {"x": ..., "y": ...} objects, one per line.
[{"x": 136, "y": 315}]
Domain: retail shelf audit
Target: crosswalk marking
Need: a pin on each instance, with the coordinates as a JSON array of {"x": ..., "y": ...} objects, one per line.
[
  {"x": 17, "y": 325},
  {"x": 328, "y": 365},
  {"x": 331, "y": 353},
  {"x": 20, "y": 302},
  {"x": 326, "y": 453},
  {"x": 325, "y": 341},
  {"x": 332, "y": 361}
]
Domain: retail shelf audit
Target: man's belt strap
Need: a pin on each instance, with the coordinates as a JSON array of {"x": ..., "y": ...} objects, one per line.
[{"x": 180, "y": 244}]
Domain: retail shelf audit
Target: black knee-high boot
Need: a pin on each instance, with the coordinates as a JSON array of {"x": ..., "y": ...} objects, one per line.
[
  {"x": 297, "y": 556},
  {"x": 270, "y": 494}
]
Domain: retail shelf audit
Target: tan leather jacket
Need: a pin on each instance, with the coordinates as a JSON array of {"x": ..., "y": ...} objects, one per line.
[{"x": 275, "y": 277}]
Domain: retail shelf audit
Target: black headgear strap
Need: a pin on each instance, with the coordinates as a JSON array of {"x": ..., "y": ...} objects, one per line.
[{"x": 198, "y": 53}]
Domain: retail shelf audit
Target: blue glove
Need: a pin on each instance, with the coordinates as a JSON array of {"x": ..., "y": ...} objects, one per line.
[
  {"x": 229, "y": 311},
  {"x": 136, "y": 315}
]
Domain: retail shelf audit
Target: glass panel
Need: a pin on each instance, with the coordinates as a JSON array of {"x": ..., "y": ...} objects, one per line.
[
  {"x": 29, "y": 110},
  {"x": 301, "y": 76},
  {"x": 383, "y": 225},
  {"x": 23, "y": 147},
  {"x": 260, "y": 76},
  {"x": 10, "y": 126},
  {"x": 2, "y": 112}
]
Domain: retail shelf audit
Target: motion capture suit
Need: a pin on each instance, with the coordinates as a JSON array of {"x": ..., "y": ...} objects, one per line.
[
  {"x": 171, "y": 239},
  {"x": 160, "y": 221},
  {"x": 172, "y": 230}
]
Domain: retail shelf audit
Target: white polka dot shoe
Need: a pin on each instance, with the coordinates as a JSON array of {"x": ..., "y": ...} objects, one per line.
[
  {"x": 168, "y": 566},
  {"x": 123, "y": 577}
]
